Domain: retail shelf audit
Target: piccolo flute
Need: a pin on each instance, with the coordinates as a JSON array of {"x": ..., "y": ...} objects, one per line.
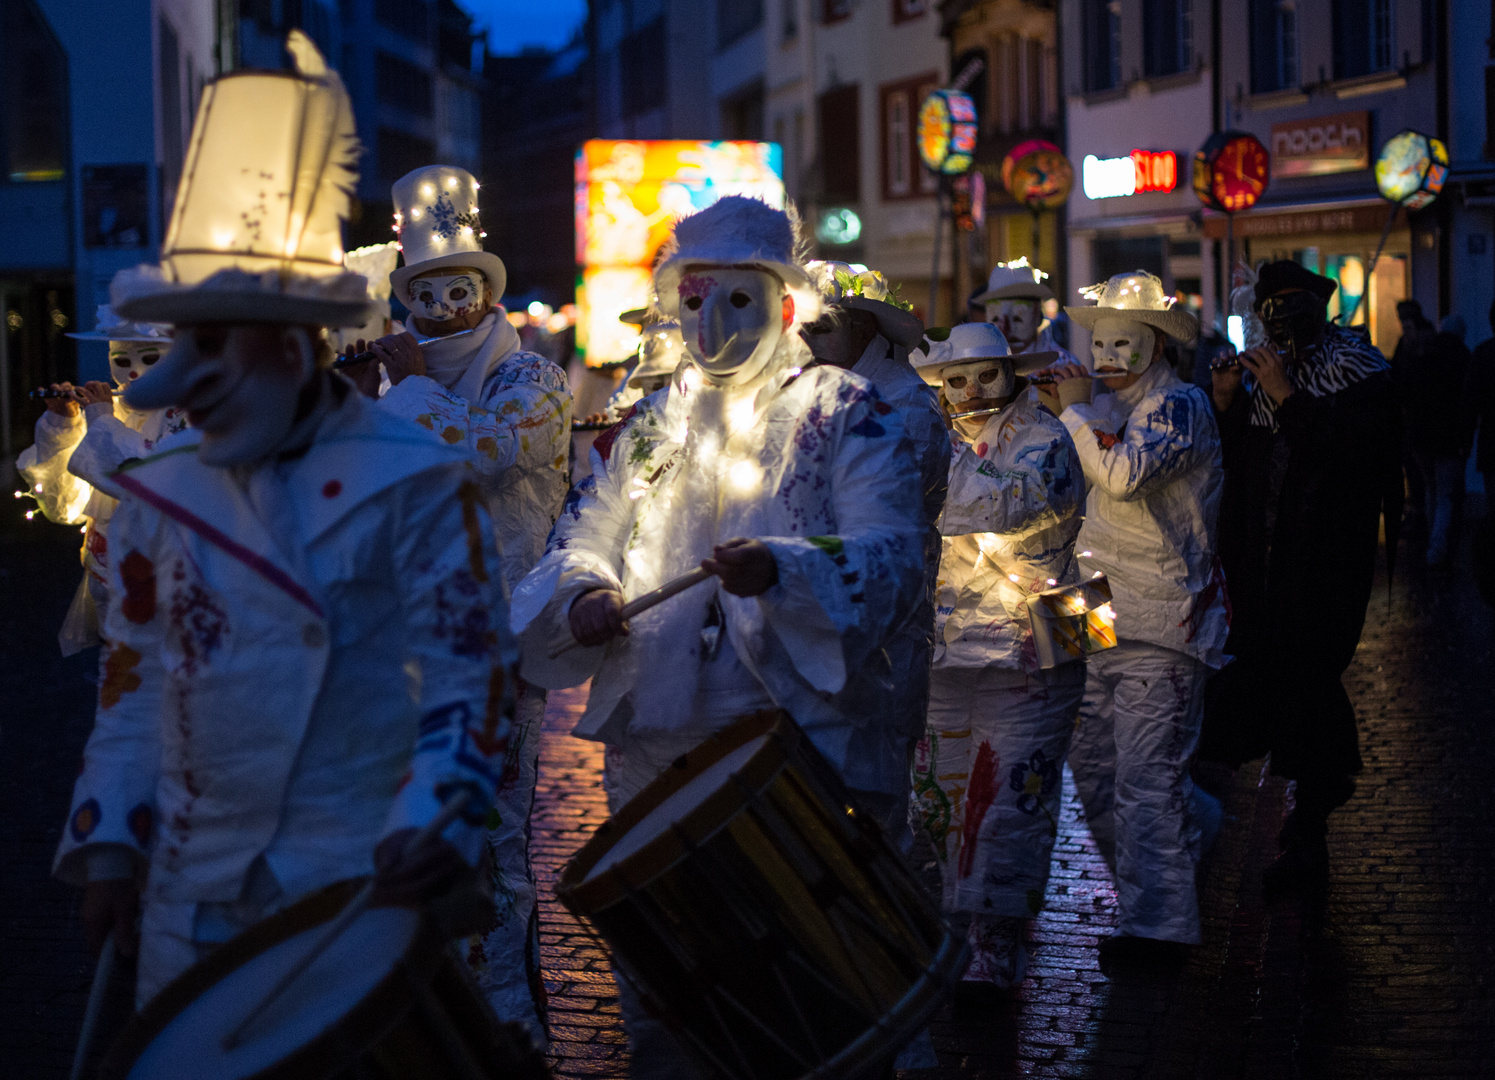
[
  {"x": 365, "y": 357},
  {"x": 42, "y": 393}
]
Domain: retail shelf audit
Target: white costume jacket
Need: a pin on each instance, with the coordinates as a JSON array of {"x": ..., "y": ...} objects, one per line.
[
  {"x": 70, "y": 463},
  {"x": 1013, "y": 506},
  {"x": 254, "y": 699},
  {"x": 828, "y": 489},
  {"x": 1151, "y": 454},
  {"x": 512, "y": 411}
]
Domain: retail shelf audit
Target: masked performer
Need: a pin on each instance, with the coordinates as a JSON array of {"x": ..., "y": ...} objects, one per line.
[
  {"x": 1014, "y": 299},
  {"x": 795, "y": 487},
  {"x": 1311, "y": 443},
  {"x": 660, "y": 351},
  {"x": 1151, "y": 454},
  {"x": 986, "y": 774},
  {"x": 83, "y": 437},
  {"x": 276, "y": 569},
  {"x": 475, "y": 387}
]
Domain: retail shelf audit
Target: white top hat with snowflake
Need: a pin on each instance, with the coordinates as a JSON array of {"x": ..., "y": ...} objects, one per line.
[
  {"x": 436, "y": 217},
  {"x": 256, "y": 229}
]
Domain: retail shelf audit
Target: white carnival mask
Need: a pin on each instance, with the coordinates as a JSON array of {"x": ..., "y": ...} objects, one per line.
[
  {"x": 1018, "y": 319},
  {"x": 128, "y": 360},
  {"x": 731, "y": 320},
  {"x": 992, "y": 378},
  {"x": 240, "y": 386},
  {"x": 450, "y": 294},
  {"x": 1122, "y": 346}
]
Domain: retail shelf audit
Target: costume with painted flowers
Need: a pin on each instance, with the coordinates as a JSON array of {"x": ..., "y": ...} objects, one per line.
[
  {"x": 986, "y": 771},
  {"x": 68, "y": 466},
  {"x": 511, "y": 410},
  {"x": 276, "y": 573},
  {"x": 1151, "y": 453},
  {"x": 750, "y": 443}
]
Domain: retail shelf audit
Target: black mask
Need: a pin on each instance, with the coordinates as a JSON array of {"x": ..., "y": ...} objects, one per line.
[{"x": 1294, "y": 322}]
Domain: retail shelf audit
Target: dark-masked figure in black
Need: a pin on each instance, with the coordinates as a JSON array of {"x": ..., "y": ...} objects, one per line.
[{"x": 1311, "y": 439}]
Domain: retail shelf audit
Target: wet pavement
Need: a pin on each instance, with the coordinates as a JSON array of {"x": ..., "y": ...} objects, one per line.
[{"x": 1392, "y": 974}]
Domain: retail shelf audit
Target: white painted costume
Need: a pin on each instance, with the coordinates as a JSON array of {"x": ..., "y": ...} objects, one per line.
[
  {"x": 511, "y": 410},
  {"x": 986, "y": 775},
  {"x": 1151, "y": 454}
]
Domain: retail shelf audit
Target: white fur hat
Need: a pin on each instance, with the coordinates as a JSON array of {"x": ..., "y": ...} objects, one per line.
[
  {"x": 970, "y": 342},
  {"x": 1016, "y": 281},
  {"x": 436, "y": 217},
  {"x": 1137, "y": 296},
  {"x": 256, "y": 229},
  {"x": 739, "y": 232}
]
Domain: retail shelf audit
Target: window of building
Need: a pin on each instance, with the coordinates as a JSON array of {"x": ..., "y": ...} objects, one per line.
[
  {"x": 840, "y": 145},
  {"x": 1362, "y": 37},
  {"x": 834, "y": 10},
  {"x": 409, "y": 18},
  {"x": 33, "y": 96},
  {"x": 903, "y": 174},
  {"x": 644, "y": 68},
  {"x": 789, "y": 20},
  {"x": 400, "y": 153},
  {"x": 742, "y": 114},
  {"x": 904, "y": 10},
  {"x": 1167, "y": 37},
  {"x": 736, "y": 19},
  {"x": 453, "y": 38},
  {"x": 400, "y": 83},
  {"x": 169, "y": 78},
  {"x": 1274, "y": 45},
  {"x": 1101, "y": 37}
]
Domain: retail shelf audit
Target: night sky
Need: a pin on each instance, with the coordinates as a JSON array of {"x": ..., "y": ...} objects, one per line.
[{"x": 513, "y": 24}]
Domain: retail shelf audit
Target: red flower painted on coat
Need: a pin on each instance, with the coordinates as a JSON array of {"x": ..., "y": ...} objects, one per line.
[
  {"x": 980, "y": 795},
  {"x": 139, "y": 576}
]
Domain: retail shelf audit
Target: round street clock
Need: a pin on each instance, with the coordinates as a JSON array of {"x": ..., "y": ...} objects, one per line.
[{"x": 1231, "y": 171}]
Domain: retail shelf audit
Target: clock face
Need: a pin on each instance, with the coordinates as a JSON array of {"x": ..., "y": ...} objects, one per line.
[{"x": 1239, "y": 174}]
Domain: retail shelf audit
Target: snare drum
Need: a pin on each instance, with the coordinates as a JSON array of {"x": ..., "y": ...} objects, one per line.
[
  {"x": 384, "y": 1001},
  {"x": 761, "y": 915}
]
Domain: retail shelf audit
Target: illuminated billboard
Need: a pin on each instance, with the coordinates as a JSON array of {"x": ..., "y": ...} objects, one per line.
[{"x": 629, "y": 193}]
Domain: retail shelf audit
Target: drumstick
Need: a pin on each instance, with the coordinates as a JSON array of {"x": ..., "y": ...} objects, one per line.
[
  {"x": 95, "y": 1005},
  {"x": 449, "y": 810},
  {"x": 648, "y": 600}
]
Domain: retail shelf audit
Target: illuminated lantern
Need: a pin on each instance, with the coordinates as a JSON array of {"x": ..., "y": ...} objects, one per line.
[
  {"x": 1231, "y": 171},
  {"x": 1038, "y": 175},
  {"x": 1411, "y": 169},
  {"x": 947, "y": 132}
]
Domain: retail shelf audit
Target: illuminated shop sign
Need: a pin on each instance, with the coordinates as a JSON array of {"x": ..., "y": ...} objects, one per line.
[{"x": 1141, "y": 171}]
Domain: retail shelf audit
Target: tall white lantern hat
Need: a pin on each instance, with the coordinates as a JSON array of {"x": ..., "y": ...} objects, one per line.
[
  {"x": 256, "y": 230},
  {"x": 436, "y": 218}
]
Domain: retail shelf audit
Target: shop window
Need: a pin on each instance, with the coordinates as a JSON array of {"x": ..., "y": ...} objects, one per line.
[
  {"x": 410, "y": 19},
  {"x": 1362, "y": 37},
  {"x": 644, "y": 68},
  {"x": 905, "y": 10},
  {"x": 1274, "y": 45},
  {"x": 736, "y": 19},
  {"x": 903, "y": 174},
  {"x": 403, "y": 85},
  {"x": 840, "y": 145},
  {"x": 33, "y": 96},
  {"x": 1101, "y": 39},
  {"x": 401, "y": 153},
  {"x": 832, "y": 11},
  {"x": 1167, "y": 37}
]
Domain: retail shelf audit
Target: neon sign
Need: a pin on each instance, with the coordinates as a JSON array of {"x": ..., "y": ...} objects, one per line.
[{"x": 1141, "y": 171}]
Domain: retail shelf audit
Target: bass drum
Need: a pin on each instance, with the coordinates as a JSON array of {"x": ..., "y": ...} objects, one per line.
[
  {"x": 386, "y": 1001},
  {"x": 763, "y": 917}
]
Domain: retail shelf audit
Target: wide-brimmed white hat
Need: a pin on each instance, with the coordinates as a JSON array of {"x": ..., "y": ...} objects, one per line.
[
  {"x": 436, "y": 217},
  {"x": 842, "y": 285},
  {"x": 108, "y": 326},
  {"x": 375, "y": 263},
  {"x": 660, "y": 352},
  {"x": 740, "y": 232},
  {"x": 1015, "y": 280},
  {"x": 970, "y": 342},
  {"x": 256, "y": 228},
  {"x": 1137, "y": 296}
]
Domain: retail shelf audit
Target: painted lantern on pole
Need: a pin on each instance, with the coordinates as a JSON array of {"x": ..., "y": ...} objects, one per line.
[
  {"x": 1411, "y": 169},
  {"x": 947, "y": 132},
  {"x": 1038, "y": 175}
]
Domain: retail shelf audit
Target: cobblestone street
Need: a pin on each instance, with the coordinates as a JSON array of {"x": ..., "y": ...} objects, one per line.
[{"x": 1391, "y": 977}]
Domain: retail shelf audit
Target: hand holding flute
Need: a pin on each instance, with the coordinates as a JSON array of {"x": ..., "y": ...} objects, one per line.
[{"x": 64, "y": 398}]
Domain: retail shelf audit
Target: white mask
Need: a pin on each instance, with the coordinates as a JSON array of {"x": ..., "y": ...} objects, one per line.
[
  {"x": 240, "y": 386},
  {"x": 1017, "y": 319},
  {"x": 1122, "y": 346},
  {"x": 450, "y": 294},
  {"x": 991, "y": 378},
  {"x": 731, "y": 321},
  {"x": 128, "y": 360}
]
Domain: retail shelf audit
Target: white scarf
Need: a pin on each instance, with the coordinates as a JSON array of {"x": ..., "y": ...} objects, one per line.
[{"x": 463, "y": 364}]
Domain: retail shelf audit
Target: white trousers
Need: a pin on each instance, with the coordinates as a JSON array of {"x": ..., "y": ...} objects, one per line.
[
  {"x": 1138, "y": 729},
  {"x": 987, "y": 782},
  {"x": 506, "y": 959}
]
